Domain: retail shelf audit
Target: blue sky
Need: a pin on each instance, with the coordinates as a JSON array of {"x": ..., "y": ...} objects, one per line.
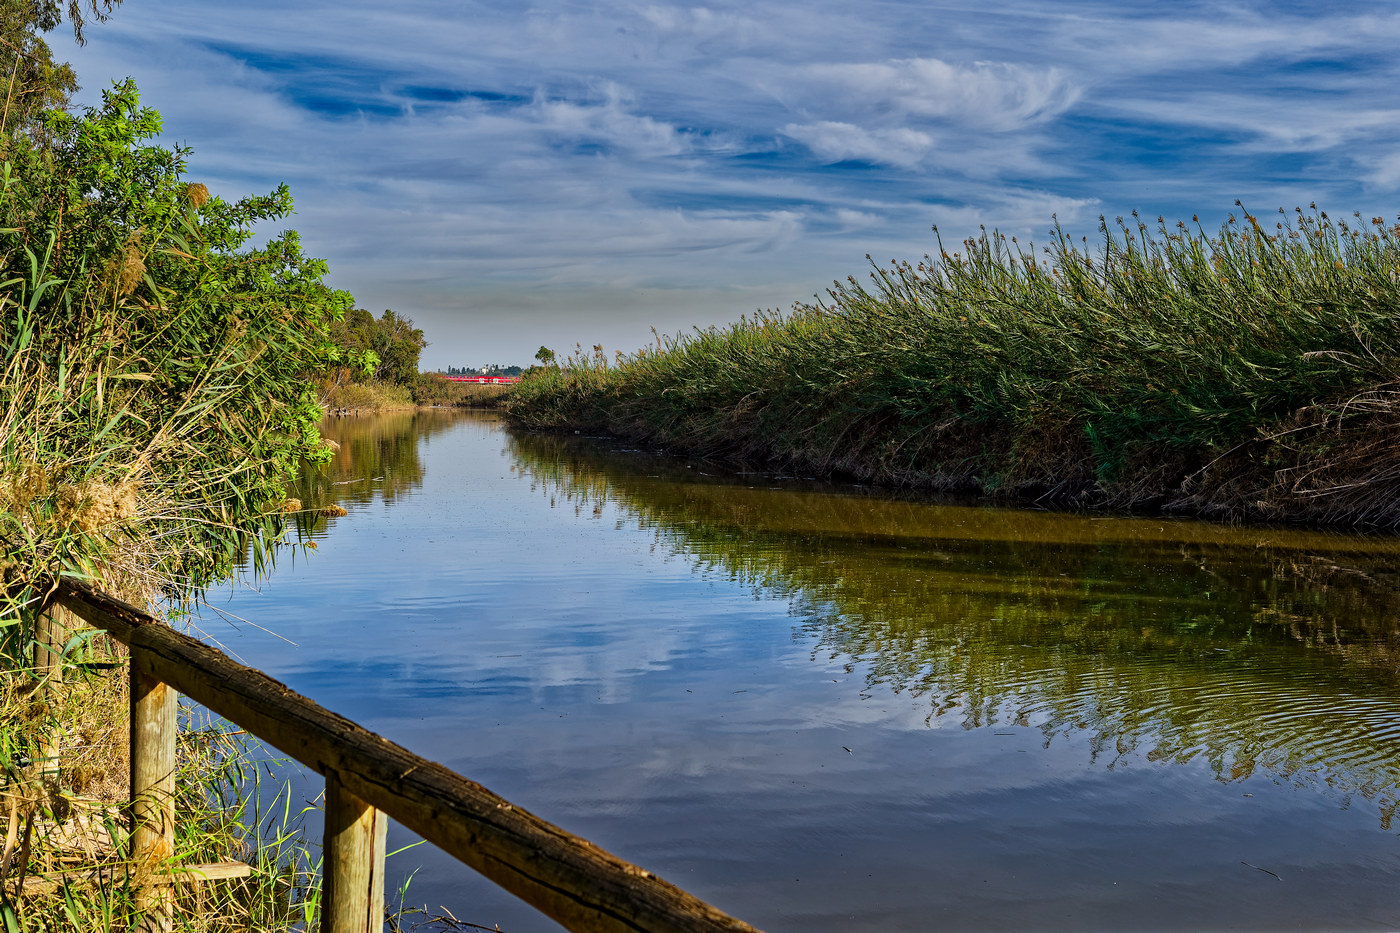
[{"x": 513, "y": 174}]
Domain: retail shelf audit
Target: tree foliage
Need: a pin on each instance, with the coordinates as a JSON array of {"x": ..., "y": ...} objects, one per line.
[
  {"x": 388, "y": 347},
  {"x": 49, "y": 14},
  {"x": 33, "y": 82},
  {"x": 155, "y": 372}
]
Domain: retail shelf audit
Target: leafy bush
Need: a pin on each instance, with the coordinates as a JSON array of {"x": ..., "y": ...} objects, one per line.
[{"x": 157, "y": 383}]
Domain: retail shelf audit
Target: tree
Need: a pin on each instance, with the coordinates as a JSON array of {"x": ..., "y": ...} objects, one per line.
[
  {"x": 399, "y": 345},
  {"x": 545, "y": 355},
  {"x": 392, "y": 340},
  {"x": 33, "y": 81}
]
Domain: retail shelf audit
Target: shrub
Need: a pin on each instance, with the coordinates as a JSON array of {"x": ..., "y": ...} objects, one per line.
[{"x": 157, "y": 384}]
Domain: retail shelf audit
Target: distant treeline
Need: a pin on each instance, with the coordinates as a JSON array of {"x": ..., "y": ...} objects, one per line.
[
  {"x": 389, "y": 345},
  {"x": 1251, "y": 372},
  {"x": 381, "y": 356},
  {"x": 493, "y": 369},
  {"x": 381, "y": 369}
]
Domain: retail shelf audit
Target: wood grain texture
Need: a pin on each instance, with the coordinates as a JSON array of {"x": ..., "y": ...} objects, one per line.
[
  {"x": 583, "y": 887},
  {"x": 154, "y": 729},
  {"x": 352, "y": 894},
  {"x": 115, "y": 875},
  {"x": 51, "y": 631}
]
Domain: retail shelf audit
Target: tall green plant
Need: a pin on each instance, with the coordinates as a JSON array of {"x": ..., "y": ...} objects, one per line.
[
  {"x": 31, "y": 81},
  {"x": 156, "y": 371},
  {"x": 389, "y": 345},
  {"x": 1165, "y": 363}
]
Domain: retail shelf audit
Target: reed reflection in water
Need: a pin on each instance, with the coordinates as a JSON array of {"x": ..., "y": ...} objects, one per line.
[
  {"x": 377, "y": 458},
  {"x": 1274, "y": 650},
  {"x": 821, "y": 707}
]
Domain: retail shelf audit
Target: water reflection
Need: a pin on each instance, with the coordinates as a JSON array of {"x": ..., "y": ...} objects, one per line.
[
  {"x": 377, "y": 457},
  {"x": 1270, "y": 651}
]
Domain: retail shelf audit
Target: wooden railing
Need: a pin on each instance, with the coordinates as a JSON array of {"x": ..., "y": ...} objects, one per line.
[{"x": 368, "y": 779}]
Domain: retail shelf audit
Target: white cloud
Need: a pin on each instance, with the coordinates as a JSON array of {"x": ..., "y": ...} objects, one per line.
[
  {"x": 997, "y": 97},
  {"x": 1385, "y": 171},
  {"x": 1234, "y": 35},
  {"x": 611, "y": 123},
  {"x": 836, "y": 142},
  {"x": 682, "y": 152},
  {"x": 852, "y": 219},
  {"x": 1309, "y": 125},
  {"x": 925, "y": 112},
  {"x": 704, "y": 24}
]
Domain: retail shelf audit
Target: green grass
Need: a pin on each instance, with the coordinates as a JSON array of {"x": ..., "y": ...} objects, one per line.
[
  {"x": 157, "y": 394},
  {"x": 1250, "y": 371},
  {"x": 68, "y": 815}
]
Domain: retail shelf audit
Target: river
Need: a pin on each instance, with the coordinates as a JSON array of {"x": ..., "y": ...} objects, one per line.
[{"x": 828, "y": 707}]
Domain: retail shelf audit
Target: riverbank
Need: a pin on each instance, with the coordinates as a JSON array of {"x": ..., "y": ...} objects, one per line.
[
  {"x": 429, "y": 391},
  {"x": 1246, "y": 374},
  {"x": 65, "y": 813},
  {"x": 158, "y": 395},
  {"x": 352, "y": 397},
  {"x": 1145, "y": 667}
]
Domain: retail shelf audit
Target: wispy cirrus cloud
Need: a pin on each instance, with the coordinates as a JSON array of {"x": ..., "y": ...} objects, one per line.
[
  {"x": 990, "y": 96},
  {"x": 905, "y": 112},
  {"x": 833, "y": 141},
  {"x": 510, "y": 175}
]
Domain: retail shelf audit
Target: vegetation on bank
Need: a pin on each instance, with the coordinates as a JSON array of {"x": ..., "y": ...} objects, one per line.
[
  {"x": 343, "y": 397},
  {"x": 438, "y": 392},
  {"x": 66, "y": 816},
  {"x": 158, "y": 382},
  {"x": 380, "y": 369},
  {"x": 1252, "y": 372},
  {"x": 493, "y": 369},
  {"x": 157, "y": 393},
  {"x": 427, "y": 390}
]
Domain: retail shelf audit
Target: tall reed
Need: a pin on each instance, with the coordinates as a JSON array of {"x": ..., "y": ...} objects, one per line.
[
  {"x": 1248, "y": 371},
  {"x": 157, "y": 393},
  {"x": 69, "y": 872},
  {"x": 156, "y": 376}
]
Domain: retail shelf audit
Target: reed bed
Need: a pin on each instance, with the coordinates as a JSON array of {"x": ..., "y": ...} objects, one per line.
[
  {"x": 365, "y": 397},
  {"x": 157, "y": 394},
  {"x": 65, "y": 826},
  {"x": 1250, "y": 372},
  {"x": 433, "y": 390}
]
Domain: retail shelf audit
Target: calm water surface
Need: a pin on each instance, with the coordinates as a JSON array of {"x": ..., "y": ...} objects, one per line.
[{"x": 824, "y": 708}]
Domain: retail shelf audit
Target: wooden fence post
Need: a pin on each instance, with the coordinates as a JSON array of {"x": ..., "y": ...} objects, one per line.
[
  {"x": 352, "y": 871},
  {"x": 51, "y": 631},
  {"x": 573, "y": 881},
  {"x": 153, "y": 732}
]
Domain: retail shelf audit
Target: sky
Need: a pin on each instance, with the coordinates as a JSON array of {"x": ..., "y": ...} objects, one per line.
[{"x": 516, "y": 174}]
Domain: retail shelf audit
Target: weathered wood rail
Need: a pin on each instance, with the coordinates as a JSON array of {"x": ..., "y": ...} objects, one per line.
[{"x": 368, "y": 778}]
